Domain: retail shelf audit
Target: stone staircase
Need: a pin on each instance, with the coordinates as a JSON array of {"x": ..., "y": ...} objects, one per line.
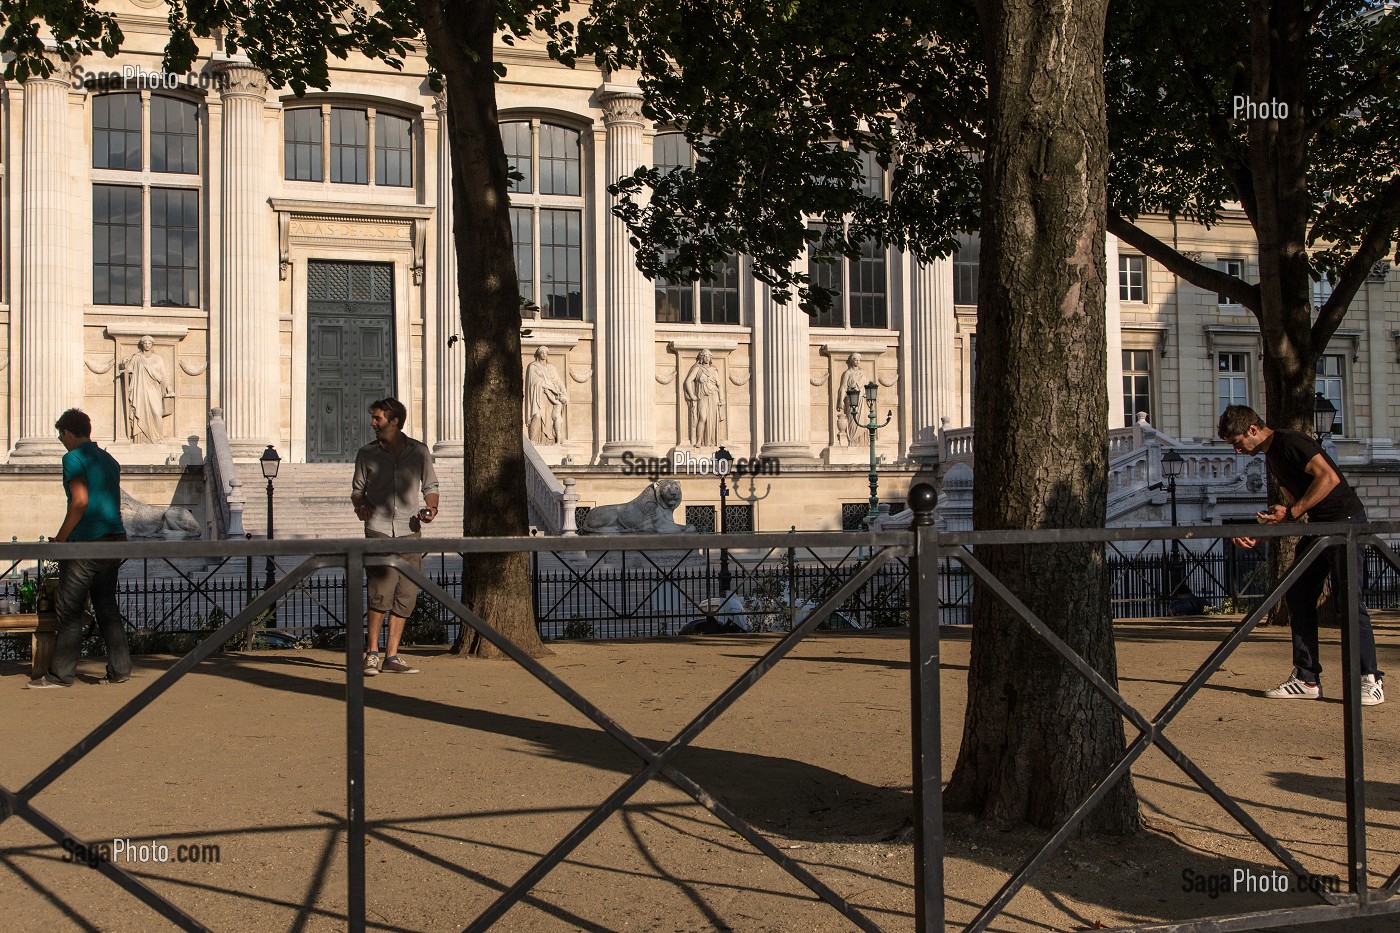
[{"x": 312, "y": 500}]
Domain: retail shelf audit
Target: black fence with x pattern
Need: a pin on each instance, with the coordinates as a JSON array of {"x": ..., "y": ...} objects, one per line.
[{"x": 924, "y": 550}]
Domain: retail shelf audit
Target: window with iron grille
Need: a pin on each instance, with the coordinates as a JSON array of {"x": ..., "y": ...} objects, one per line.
[
  {"x": 702, "y": 517},
  {"x": 738, "y": 519},
  {"x": 853, "y": 515}
]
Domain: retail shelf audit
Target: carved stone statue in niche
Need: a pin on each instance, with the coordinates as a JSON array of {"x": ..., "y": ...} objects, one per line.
[
  {"x": 704, "y": 398},
  {"x": 150, "y": 397},
  {"x": 546, "y": 400},
  {"x": 848, "y": 419}
]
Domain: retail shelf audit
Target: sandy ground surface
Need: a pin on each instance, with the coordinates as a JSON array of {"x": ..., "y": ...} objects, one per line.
[{"x": 474, "y": 769}]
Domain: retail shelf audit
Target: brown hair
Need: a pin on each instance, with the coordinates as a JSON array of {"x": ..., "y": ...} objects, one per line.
[{"x": 1238, "y": 419}]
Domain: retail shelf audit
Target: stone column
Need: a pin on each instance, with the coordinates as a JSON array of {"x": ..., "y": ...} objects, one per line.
[
  {"x": 450, "y": 368},
  {"x": 250, "y": 343},
  {"x": 1379, "y": 347},
  {"x": 787, "y": 416},
  {"x": 630, "y": 302},
  {"x": 1113, "y": 335},
  {"x": 50, "y": 317},
  {"x": 933, "y": 380}
]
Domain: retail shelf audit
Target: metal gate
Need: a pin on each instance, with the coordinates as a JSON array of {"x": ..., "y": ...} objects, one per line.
[{"x": 349, "y": 354}]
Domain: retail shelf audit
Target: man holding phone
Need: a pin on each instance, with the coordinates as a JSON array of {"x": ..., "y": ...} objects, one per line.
[
  {"x": 391, "y": 472},
  {"x": 1313, "y": 486}
]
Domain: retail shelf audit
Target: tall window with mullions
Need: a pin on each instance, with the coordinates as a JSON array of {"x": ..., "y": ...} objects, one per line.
[{"x": 547, "y": 202}]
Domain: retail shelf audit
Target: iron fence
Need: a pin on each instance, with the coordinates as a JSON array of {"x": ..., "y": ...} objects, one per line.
[
  {"x": 923, "y": 551},
  {"x": 609, "y": 597}
]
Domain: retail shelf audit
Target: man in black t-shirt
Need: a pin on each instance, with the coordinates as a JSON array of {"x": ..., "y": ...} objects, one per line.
[{"x": 1313, "y": 486}]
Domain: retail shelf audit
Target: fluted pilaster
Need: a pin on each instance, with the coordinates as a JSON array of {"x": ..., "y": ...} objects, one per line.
[
  {"x": 250, "y": 349},
  {"x": 630, "y": 341},
  {"x": 50, "y": 313},
  {"x": 450, "y": 360},
  {"x": 933, "y": 385},
  {"x": 787, "y": 417},
  {"x": 1113, "y": 335}
]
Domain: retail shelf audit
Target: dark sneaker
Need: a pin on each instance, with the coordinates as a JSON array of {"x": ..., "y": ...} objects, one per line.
[
  {"x": 45, "y": 683},
  {"x": 397, "y": 665},
  {"x": 371, "y": 664}
]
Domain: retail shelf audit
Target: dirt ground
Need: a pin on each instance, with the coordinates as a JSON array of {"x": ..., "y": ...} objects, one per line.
[{"x": 474, "y": 769}]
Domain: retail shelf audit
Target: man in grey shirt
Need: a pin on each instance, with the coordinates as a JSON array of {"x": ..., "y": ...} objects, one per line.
[{"x": 391, "y": 472}]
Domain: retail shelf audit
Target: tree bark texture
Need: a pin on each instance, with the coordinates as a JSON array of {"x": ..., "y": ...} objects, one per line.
[
  {"x": 1037, "y": 736},
  {"x": 495, "y": 586}
]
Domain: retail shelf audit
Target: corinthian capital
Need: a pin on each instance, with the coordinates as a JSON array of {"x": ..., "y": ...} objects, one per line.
[
  {"x": 621, "y": 105},
  {"x": 240, "y": 79},
  {"x": 62, "y": 70}
]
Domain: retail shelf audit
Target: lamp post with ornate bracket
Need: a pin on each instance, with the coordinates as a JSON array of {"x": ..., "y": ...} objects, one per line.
[{"x": 872, "y": 390}]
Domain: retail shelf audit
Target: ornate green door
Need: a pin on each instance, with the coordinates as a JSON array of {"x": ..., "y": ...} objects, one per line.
[{"x": 350, "y": 354}]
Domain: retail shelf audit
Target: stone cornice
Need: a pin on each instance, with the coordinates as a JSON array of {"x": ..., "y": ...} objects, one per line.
[
  {"x": 145, "y": 329},
  {"x": 701, "y": 342},
  {"x": 349, "y": 212},
  {"x": 844, "y": 348}
]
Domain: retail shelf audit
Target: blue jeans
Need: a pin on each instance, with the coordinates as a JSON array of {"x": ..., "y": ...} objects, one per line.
[
  {"x": 1302, "y": 610},
  {"x": 79, "y": 580}
]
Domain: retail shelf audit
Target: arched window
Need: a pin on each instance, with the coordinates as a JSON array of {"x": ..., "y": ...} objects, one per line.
[
  {"x": 348, "y": 146},
  {"x": 716, "y": 298},
  {"x": 546, "y": 214},
  {"x": 145, "y": 205},
  {"x": 860, "y": 286}
]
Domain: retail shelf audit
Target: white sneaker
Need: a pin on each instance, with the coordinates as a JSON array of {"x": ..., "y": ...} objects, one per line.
[
  {"x": 371, "y": 664},
  {"x": 1294, "y": 688},
  {"x": 1372, "y": 690}
]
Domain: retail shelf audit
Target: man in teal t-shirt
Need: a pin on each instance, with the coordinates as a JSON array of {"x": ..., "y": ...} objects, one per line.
[{"x": 92, "y": 480}]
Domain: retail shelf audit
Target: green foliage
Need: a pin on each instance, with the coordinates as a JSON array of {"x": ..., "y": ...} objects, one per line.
[
  {"x": 425, "y": 626},
  {"x": 767, "y": 601},
  {"x": 577, "y": 629},
  {"x": 777, "y": 122}
]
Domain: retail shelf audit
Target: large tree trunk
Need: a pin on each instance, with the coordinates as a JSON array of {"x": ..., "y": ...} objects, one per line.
[
  {"x": 1037, "y": 736},
  {"x": 495, "y": 586}
]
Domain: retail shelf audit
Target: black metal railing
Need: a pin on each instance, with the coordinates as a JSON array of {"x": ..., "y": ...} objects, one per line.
[
  {"x": 924, "y": 552},
  {"x": 615, "y": 598}
]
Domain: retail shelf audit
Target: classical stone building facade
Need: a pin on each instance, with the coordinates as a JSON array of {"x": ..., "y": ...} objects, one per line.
[{"x": 291, "y": 259}]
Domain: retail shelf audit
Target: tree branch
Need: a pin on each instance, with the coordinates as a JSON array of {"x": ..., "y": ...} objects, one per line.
[
  {"x": 1375, "y": 243},
  {"x": 1212, "y": 280}
]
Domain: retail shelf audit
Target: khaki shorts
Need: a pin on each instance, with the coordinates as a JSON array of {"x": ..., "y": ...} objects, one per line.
[{"x": 389, "y": 590}]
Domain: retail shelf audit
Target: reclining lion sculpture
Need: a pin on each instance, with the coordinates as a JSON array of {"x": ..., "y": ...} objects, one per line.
[
  {"x": 157, "y": 521},
  {"x": 649, "y": 513}
]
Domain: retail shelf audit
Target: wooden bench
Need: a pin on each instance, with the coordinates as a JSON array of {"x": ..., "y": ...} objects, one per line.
[{"x": 43, "y": 627}]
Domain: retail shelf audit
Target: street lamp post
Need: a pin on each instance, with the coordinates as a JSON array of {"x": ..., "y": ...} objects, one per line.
[
  {"x": 1172, "y": 466},
  {"x": 872, "y": 390},
  {"x": 1324, "y": 417},
  {"x": 724, "y": 460},
  {"x": 269, "y": 461}
]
